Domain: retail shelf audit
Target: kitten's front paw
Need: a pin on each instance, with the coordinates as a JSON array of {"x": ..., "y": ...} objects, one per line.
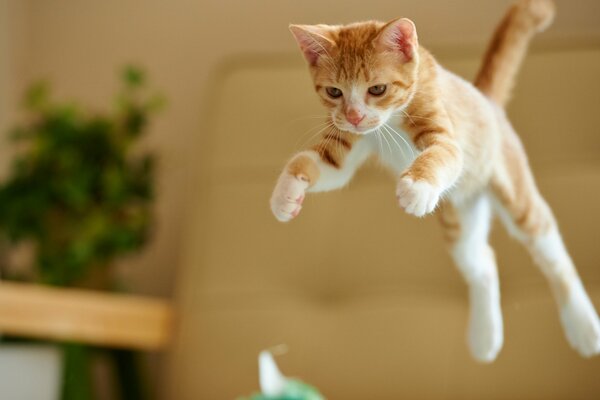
[
  {"x": 417, "y": 198},
  {"x": 287, "y": 198}
]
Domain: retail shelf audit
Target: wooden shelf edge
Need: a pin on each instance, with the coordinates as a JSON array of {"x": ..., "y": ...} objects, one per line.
[{"x": 92, "y": 317}]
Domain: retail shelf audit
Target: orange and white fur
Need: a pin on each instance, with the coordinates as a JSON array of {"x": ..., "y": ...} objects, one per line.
[{"x": 451, "y": 146}]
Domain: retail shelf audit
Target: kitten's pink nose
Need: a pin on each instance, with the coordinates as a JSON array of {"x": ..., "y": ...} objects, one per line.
[{"x": 354, "y": 117}]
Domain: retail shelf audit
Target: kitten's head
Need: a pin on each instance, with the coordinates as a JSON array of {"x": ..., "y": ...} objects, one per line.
[{"x": 363, "y": 72}]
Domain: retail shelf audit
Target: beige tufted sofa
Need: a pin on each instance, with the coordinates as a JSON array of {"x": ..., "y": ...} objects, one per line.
[{"x": 364, "y": 295}]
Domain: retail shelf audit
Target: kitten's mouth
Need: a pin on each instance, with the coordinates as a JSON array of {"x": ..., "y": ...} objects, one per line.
[
  {"x": 361, "y": 130},
  {"x": 358, "y": 130}
]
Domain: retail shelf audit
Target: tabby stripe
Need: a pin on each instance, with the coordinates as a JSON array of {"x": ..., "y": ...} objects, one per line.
[
  {"x": 450, "y": 225},
  {"x": 400, "y": 84},
  {"x": 451, "y": 237},
  {"x": 305, "y": 168},
  {"x": 425, "y": 132},
  {"x": 328, "y": 158},
  {"x": 347, "y": 145},
  {"x": 522, "y": 220}
]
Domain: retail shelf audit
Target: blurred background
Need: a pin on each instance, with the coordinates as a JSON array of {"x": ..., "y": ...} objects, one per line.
[{"x": 364, "y": 296}]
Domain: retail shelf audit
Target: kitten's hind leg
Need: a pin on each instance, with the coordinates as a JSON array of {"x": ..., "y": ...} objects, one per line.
[
  {"x": 466, "y": 228},
  {"x": 529, "y": 219}
]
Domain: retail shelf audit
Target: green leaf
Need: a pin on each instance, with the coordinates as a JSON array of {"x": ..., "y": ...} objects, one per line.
[
  {"x": 133, "y": 76},
  {"x": 36, "y": 97}
]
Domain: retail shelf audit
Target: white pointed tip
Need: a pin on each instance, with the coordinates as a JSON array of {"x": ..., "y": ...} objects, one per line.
[{"x": 272, "y": 382}]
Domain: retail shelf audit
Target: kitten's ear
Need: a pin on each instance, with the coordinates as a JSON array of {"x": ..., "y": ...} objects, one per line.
[
  {"x": 399, "y": 35},
  {"x": 313, "y": 40}
]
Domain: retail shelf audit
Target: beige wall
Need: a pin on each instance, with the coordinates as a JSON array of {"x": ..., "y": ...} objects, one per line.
[
  {"x": 3, "y": 61},
  {"x": 13, "y": 50}
]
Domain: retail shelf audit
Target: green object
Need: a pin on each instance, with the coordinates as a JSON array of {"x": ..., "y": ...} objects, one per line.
[
  {"x": 131, "y": 383},
  {"x": 294, "y": 390},
  {"x": 77, "y": 375}
]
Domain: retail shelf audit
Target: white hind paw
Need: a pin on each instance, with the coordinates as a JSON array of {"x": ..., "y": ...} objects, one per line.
[
  {"x": 485, "y": 338},
  {"x": 582, "y": 326}
]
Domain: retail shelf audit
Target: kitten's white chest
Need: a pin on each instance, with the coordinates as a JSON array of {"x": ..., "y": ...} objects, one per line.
[{"x": 393, "y": 146}]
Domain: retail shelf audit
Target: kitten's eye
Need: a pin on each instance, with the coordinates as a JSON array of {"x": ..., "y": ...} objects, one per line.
[
  {"x": 333, "y": 92},
  {"x": 377, "y": 90}
]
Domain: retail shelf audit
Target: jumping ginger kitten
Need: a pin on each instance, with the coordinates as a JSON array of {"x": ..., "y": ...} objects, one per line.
[{"x": 378, "y": 83}]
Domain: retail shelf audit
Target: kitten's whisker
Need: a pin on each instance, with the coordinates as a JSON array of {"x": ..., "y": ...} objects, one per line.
[
  {"x": 388, "y": 143},
  {"x": 407, "y": 115},
  {"x": 328, "y": 138},
  {"x": 411, "y": 116},
  {"x": 395, "y": 141},
  {"x": 306, "y": 117},
  {"x": 412, "y": 153},
  {"x": 319, "y": 129},
  {"x": 379, "y": 141}
]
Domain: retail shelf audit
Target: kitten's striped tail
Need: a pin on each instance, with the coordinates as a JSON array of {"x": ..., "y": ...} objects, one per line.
[{"x": 509, "y": 44}]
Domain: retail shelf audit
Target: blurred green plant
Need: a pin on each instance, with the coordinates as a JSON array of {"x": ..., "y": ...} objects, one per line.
[{"x": 78, "y": 191}]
